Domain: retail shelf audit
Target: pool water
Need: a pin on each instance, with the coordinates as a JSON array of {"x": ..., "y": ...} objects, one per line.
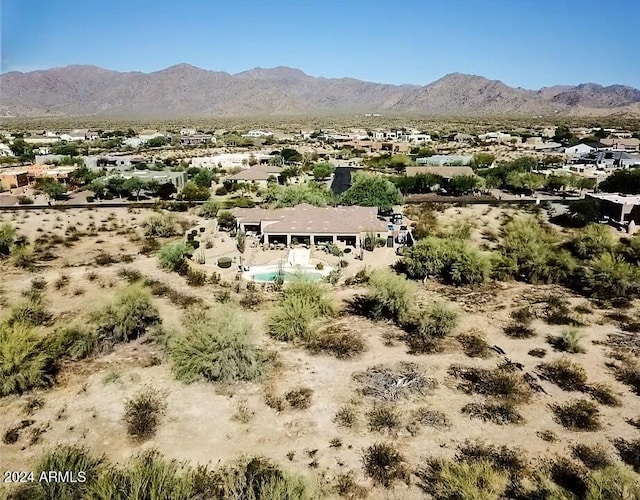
[{"x": 288, "y": 276}]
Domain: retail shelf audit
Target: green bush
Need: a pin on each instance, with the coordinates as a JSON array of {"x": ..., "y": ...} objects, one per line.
[
  {"x": 174, "y": 255},
  {"x": 209, "y": 209},
  {"x": 451, "y": 259},
  {"x": 224, "y": 262},
  {"x": 427, "y": 329},
  {"x": 142, "y": 413},
  {"x": 7, "y": 238},
  {"x": 129, "y": 317},
  {"x": 592, "y": 241},
  {"x": 613, "y": 483},
  {"x": 578, "y": 415},
  {"x": 75, "y": 341},
  {"x": 298, "y": 312},
  {"x": 195, "y": 277},
  {"x": 449, "y": 480},
  {"x": 216, "y": 346},
  {"x": 31, "y": 312},
  {"x": 160, "y": 226},
  {"x": 569, "y": 341},
  {"x": 390, "y": 296},
  {"x": 24, "y": 365},
  {"x": 610, "y": 277},
  {"x": 69, "y": 458}
]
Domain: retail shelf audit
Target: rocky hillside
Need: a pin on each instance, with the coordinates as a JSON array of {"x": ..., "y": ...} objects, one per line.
[{"x": 187, "y": 91}]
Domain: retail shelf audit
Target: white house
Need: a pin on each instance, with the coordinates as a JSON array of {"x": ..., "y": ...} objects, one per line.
[
  {"x": 258, "y": 133},
  {"x": 5, "y": 150},
  {"x": 228, "y": 161},
  {"x": 579, "y": 150}
]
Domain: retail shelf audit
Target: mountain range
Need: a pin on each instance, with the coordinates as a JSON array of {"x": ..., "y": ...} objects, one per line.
[{"x": 185, "y": 91}]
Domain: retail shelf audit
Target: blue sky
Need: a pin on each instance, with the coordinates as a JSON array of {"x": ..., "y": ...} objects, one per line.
[{"x": 525, "y": 43}]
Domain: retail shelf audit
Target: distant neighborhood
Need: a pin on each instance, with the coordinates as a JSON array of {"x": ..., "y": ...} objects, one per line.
[{"x": 242, "y": 168}]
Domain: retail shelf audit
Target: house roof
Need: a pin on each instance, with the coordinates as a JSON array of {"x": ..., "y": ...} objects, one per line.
[
  {"x": 257, "y": 173},
  {"x": 446, "y": 172},
  {"x": 308, "y": 219},
  {"x": 621, "y": 199}
]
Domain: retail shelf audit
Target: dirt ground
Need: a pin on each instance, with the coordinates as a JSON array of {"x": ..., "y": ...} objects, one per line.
[{"x": 200, "y": 425}]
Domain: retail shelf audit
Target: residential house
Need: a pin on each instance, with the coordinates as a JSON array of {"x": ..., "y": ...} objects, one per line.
[
  {"x": 188, "y": 131},
  {"x": 610, "y": 159},
  {"x": 439, "y": 160},
  {"x": 178, "y": 179},
  {"x": 584, "y": 148},
  {"x": 620, "y": 209},
  {"x": 13, "y": 178},
  {"x": 622, "y": 144},
  {"x": 258, "y": 133},
  {"x": 259, "y": 175},
  {"x": 5, "y": 150},
  {"x": 308, "y": 224},
  {"x": 196, "y": 140},
  {"x": 229, "y": 161}
]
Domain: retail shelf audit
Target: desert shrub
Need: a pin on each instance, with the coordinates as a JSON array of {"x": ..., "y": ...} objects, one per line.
[
  {"x": 195, "y": 277},
  {"x": 528, "y": 252},
  {"x": 614, "y": 482},
  {"x": 558, "y": 312},
  {"x": 216, "y": 346},
  {"x": 12, "y": 434},
  {"x": 427, "y": 328},
  {"x": 452, "y": 259},
  {"x": 629, "y": 452},
  {"x": 346, "y": 416},
  {"x": 390, "y": 295},
  {"x": 38, "y": 283},
  {"x": 452, "y": 480},
  {"x": 24, "y": 365},
  {"x": 129, "y": 317},
  {"x": 565, "y": 374},
  {"x": 340, "y": 341},
  {"x": 61, "y": 282},
  {"x": 104, "y": 259},
  {"x": 23, "y": 257},
  {"x": 594, "y": 457},
  {"x": 391, "y": 383},
  {"x": 592, "y": 241},
  {"x": 511, "y": 460},
  {"x": 345, "y": 486},
  {"x": 498, "y": 382},
  {"x": 299, "y": 398},
  {"x": 569, "y": 475},
  {"x": 603, "y": 394},
  {"x": 519, "y": 331},
  {"x": 578, "y": 415},
  {"x": 31, "y": 312},
  {"x": 69, "y": 458},
  {"x": 303, "y": 305},
  {"x": 627, "y": 371},
  {"x": 209, "y": 209},
  {"x": 523, "y": 315},
  {"x": 75, "y": 341},
  {"x": 142, "y": 413},
  {"x": 569, "y": 341},
  {"x": 384, "y": 464},
  {"x": 253, "y": 299},
  {"x": 430, "y": 418},
  {"x": 610, "y": 277},
  {"x": 174, "y": 256},
  {"x": 7, "y": 237},
  {"x": 474, "y": 345},
  {"x": 537, "y": 352},
  {"x": 160, "y": 226},
  {"x": 548, "y": 436},
  {"x": 496, "y": 412},
  {"x": 383, "y": 418}
]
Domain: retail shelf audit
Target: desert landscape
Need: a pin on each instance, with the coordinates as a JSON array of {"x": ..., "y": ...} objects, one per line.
[{"x": 373, "y": 385}]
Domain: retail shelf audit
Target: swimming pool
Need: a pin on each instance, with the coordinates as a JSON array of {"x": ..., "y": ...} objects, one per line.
[{"x": 270, "y": 273}]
